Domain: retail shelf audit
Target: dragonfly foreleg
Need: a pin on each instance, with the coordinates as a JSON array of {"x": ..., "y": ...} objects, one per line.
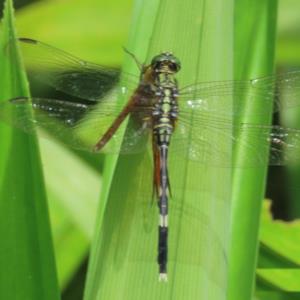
[
  {"x": 138, "y": 63},
  {"x": 115, "y": 125}
]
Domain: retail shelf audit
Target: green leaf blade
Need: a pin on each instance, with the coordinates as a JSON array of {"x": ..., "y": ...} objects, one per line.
[
  {"x": 255, "y": 58},
  {"x": 125, "y": 249},
  {"x": 27, "y": 262}
]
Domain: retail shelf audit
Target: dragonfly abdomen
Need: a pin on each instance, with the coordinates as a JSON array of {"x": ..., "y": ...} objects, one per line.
[{"x": 164, "y": 116}]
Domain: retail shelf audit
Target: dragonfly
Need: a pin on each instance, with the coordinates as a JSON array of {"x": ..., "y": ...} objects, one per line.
[{"x": 160, "y": 111}]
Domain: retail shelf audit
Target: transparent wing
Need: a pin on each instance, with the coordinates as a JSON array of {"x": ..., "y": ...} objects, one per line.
[
  {"x": 261, "y": 94},
  {"x": 199, "y": 138},
  {"x": 186, "y": 216},
  {"x": 86, "y": 80},
  {"x": 69, "y": 74},
  {"x": 212, "y": 141},
  {"x": 77, "y": 124},
  {"x": 186, "y": 219}
]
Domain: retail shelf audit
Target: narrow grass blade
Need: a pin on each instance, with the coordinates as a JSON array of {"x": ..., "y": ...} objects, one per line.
[
  {"x": 281, "y": 241},
  {"x": 280, "y": 279},
  {"x": 123, "y": 262},
  {"x": 277, "y": 295},
  {"x": 278, "y": 267},
  {"x": 72, "y": 206},
  {"x": 255, "y": 56},
  {"x": 26, "y": 255}
]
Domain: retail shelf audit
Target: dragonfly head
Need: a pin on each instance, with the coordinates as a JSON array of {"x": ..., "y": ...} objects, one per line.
[{"x": 165, "y": 62}]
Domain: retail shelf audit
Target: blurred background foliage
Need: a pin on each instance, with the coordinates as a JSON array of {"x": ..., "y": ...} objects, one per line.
[
  {"x": 96, "y": 31},
  {"x": 98, "y": 37}
]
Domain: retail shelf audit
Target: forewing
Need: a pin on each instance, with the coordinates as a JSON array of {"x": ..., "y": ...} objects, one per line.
[{"x": 69, "y": 74}]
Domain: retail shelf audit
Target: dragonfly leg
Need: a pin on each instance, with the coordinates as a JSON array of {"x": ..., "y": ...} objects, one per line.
[
  {"x": 115, "y": 125},
  {"x": 138, "y": 63}
]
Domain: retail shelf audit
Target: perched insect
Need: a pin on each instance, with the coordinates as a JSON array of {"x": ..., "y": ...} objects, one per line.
[{"x": 186, "y": 117}]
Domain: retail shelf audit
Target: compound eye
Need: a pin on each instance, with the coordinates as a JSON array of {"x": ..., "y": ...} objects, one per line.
[
  {"x": 173, "y": 67},
  {"x": 157, "y": 65}
]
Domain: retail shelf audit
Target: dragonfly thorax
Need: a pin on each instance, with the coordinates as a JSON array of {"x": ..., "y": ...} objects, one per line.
[{"x": 165, "y": 113}]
